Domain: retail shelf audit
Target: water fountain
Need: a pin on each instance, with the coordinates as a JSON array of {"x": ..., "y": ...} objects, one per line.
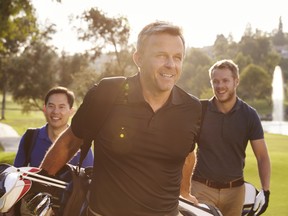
[
  {"x": 278, "y": 95},
  {"x": 277, "y": 125}
]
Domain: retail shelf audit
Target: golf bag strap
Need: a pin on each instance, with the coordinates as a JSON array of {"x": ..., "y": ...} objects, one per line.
[
  {"x": 204, "y": 103},
  {"x": 29, "y": 142},
  {"x": 107, "y": 87}
]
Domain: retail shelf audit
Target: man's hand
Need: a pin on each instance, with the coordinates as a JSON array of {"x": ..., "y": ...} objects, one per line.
[
  {"x": 261, "y": 202},
  {"x": 191, "y": 198}
]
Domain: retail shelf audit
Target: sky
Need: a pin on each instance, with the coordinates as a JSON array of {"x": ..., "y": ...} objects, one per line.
[{"x": 201, "y": 20}]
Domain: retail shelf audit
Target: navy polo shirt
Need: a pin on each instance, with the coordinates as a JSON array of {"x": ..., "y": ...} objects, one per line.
[{"x": 223, "y": 141}]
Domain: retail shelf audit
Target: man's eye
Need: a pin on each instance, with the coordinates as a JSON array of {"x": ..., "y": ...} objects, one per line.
[{"x": 179, "y": 58}]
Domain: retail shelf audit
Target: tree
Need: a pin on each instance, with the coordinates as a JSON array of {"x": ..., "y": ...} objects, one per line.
[
  {"x": 69, "y": 66},
  {"x": 248, "y": 46},
  {"x": 111, "y": 68},
  {"x": 107, "y": 35},
  {"x": 81, "y": 84},
  {"x": 248, "y": 31},
  {"x": 224, "y": 48},
  {"x": 259, "y": 49},
  {"x": 33, "y": 73},
  {"x": 242, "y": 61},
  {"x": 17, "y": 26},
  {"x": 255, "y": 83},
  {"x": 220, "y": 47},
  {"x": 279, "y": 38},
  {"x": 195, "y": 77}
]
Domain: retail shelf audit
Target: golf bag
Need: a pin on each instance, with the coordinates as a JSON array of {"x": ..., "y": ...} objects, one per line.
[
  {"x": 250, "y": 195},
  {"x": 189, "y": 209},
  {"x": 43, "y": 195},
  {"x": 65, "y": 193},
  {"x": 60, "y": 195}
]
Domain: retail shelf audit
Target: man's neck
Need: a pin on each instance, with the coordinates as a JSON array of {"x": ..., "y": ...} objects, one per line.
[
  {"x": 225, "y": 106},
  {"x": 156, "y": 100},
  {"x": 53, "y": 133}
]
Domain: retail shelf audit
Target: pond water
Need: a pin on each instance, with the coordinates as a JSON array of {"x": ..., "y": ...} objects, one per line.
[{"x": 275, "y": 127}]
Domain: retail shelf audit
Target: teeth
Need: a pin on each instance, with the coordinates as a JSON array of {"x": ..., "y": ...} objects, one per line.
[{"x": 167, "y": 75}]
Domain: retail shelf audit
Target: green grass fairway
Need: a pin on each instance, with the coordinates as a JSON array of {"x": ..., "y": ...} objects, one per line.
[
  {"x": 21, "y": 121},
  {"x": 278, "y": 150}
]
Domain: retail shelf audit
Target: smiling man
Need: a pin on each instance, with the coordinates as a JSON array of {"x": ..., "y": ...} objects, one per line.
[
  {"x": 228, "y": 125},
  {"x": 143, "y": 143},
  {"x": 58, "y": 108}
]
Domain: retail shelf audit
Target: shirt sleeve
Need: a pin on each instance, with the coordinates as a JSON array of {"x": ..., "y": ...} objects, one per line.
[
  {"x": 256, "y": 130},
  {"x": 88, "y": 161},
  {"x": 82, "y": 121}
]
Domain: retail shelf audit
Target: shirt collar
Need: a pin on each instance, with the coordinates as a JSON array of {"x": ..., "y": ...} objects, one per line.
[
  {"x": 236, "y": 106},
  {"x": 135, "y": 92},
  {"x": 43, "y": 132}
]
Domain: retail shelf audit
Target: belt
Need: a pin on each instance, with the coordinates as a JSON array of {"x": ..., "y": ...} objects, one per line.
[{"x": 219, "y": 185}]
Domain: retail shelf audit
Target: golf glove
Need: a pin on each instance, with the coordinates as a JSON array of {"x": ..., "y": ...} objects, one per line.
[{"x": 261, "y": 202}]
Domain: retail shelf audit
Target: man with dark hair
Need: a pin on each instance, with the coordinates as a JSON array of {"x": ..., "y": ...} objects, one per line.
[{"x": 58, "y": 108}]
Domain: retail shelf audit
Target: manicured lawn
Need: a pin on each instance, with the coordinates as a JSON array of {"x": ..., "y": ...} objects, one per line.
[
  {"x": 7, "y": 157},
  {"x": 278, "y": 149},
  {"x": 21, "y": 121}
]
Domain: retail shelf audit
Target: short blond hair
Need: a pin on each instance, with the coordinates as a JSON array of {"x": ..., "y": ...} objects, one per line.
[{"x": 225, "y": 63}]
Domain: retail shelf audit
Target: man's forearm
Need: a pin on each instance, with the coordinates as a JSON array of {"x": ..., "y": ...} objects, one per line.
[
  {"x": 264, "y": 173},
  {"x": 61, "y": 152},
  {"x": 186, "y": 175}
]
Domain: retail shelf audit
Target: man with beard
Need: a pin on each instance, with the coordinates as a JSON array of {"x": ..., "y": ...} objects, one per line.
[{"x": 228, "y": 124}]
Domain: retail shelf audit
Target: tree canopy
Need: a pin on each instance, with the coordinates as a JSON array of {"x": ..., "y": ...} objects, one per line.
[
  {"x": 255, "y": 83},
  {"x": 17, "y": 25},
  {"x": 29, "y": 66}
]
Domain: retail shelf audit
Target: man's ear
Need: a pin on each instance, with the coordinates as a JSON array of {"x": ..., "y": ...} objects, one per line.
[
  {"x": 237, "y": 81},
  {"x": 137, "y": 59},
  {"x": 72, "y": 111}
]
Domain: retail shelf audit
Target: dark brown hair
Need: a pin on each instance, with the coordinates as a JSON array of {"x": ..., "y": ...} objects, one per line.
[{"x": 61, "y": 90}]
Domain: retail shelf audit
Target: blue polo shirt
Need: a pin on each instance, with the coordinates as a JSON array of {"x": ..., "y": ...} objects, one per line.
[{"x": 40, "y": 148}]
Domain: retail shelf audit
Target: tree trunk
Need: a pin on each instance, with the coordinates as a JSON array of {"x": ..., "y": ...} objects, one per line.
[{"x": 3, "y": 102}]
